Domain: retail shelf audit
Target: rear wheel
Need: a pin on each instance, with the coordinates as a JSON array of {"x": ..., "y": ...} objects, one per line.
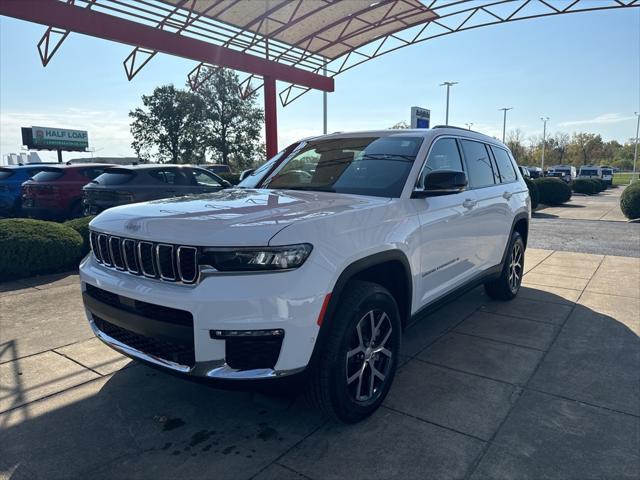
[
  {"x": 360, "y": 357},
  {"x": 508, "y": 284}
]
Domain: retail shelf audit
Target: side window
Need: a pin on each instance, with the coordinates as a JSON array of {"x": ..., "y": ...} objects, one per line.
[
  {"x": 505, "y": 165},
  {"x": 92, "y": 173},
  {"x": 170, "y": 176},
  {"x": 444, "y": 155},
  {"x": 479, "y": 169},
  {"x": 204, "y": 179}
]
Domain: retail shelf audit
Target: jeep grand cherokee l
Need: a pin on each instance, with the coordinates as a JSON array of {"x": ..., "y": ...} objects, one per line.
[{"x": 315, "y": 272}]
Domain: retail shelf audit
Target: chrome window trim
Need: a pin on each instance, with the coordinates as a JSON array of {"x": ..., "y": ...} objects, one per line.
[
  {"x": 159, "y": 264},
  {"x": 144, "y": 272},
  {"x": 126, "y": 262},
  {"x": 179, "y": 263}
]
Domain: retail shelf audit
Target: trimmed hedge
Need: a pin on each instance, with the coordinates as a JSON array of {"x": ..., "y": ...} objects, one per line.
[
  {"x": 585, "y": 185},
  {"x": 602, "y": 186},
  {"x": 34, "y": 247},
  {"x": 533, "y": 193},
  {"x": 553, "y": 191},
  {"x": 630, "y": 201},
  {"x": 81, "y": 225},
  {"x": 232, "y": 178}
]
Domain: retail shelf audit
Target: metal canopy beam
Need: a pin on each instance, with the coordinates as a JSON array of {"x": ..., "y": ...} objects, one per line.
[{"x": 81, "y": 20}]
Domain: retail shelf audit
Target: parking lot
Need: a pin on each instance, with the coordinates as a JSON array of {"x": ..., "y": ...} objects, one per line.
[{"x": 543, "y": 386}]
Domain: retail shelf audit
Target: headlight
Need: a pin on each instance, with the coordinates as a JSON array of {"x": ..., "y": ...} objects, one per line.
[{"x": 256, "y": 258}]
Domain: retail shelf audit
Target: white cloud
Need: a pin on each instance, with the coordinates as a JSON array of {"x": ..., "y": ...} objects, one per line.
[{"x": 606, "y": 118}]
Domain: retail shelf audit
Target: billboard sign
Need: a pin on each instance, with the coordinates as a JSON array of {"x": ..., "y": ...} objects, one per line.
[
  {"x": 46, "y": 138},
  {"x": 420, "y": 117}
]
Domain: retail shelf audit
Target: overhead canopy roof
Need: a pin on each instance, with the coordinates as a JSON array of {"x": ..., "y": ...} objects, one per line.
[{"x": 324, "y": 27}]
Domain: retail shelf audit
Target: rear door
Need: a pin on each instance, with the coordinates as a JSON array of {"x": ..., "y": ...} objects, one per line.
[
  {"x": 447, "y": 232},
  {"x": 173, "y": 182},
  {"x": 490, "y": 215}
]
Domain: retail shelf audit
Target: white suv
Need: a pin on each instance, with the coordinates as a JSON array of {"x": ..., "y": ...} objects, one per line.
[{"x": 314, "y": 273}]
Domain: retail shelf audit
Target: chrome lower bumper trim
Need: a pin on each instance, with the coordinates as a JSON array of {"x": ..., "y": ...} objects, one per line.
[{"x": 215, "y": 369}]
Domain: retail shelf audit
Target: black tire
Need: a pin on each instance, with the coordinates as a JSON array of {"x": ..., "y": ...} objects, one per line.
[
  {"x": 328, "y": 385},
  {"x": 507, "y": 285}
]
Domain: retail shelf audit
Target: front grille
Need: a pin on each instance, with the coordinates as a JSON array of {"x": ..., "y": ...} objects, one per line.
[
  {"x": 167, "y": 262},
  {"x": 149, "y": 310},
  {"x": 252, "y": 353},
  {"x": 174, "y": 352}
]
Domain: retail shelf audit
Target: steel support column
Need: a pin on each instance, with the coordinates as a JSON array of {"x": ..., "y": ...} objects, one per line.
[{"x": 270, "y": 116}]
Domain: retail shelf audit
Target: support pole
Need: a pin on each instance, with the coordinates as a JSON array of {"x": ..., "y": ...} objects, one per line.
[
  {"x": 324, "y": 103},
  {"x": 270, "y": 116},
  {"x": 635, "y": 150},
  {"x": 59, "y": 156}
]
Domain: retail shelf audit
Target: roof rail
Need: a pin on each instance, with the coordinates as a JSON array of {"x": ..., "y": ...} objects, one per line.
[{"x": 456, "y": 128}]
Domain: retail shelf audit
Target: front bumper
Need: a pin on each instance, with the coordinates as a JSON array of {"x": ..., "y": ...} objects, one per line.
[{"x": 282, "y": 300}]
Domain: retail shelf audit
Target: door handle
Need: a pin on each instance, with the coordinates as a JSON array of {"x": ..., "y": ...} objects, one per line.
[
  {"x": 507, "y": 195},
  {"x": 469, "y": 203}
]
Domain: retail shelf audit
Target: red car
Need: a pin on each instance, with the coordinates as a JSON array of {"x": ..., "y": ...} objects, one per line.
[{"x": 56, "y": 192}]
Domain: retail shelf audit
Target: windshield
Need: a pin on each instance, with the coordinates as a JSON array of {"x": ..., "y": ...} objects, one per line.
[
  {"x": 48, "y": 175},
  {"x": 114, "y": 176},
  {"x": 261, "y": 172},
  {"x": 606, "y": 171},
  {"x": 588, "y": 172},
  {"x": 375, "y": 166}
]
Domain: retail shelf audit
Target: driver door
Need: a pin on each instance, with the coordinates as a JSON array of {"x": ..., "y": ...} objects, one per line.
[{"x": 447, "y": 230}]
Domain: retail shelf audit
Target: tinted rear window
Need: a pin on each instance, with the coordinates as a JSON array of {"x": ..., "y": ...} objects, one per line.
[
  {"x": 115, "y": 176},
  {"x": 606, "y": 171},
  {"x": 48, "y": 175},
  {"x": 505, "y": 167},
  {"x": 588, "y": 172},
  {"x": 479, "y": 168},
  {"x": 5, "y": 173}
]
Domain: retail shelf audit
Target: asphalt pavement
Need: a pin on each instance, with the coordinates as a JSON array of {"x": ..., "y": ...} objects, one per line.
[{"x": 585, "y": 236}]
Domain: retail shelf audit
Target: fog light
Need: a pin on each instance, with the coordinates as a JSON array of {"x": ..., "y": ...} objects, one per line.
[{"x": 224, "y": 334}]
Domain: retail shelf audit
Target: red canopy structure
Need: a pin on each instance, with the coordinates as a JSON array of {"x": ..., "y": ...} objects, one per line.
[{"x": 303, "y": 43}]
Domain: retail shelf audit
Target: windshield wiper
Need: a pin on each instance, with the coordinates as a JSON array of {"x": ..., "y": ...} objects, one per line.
[{"x": 388, "y": 156}]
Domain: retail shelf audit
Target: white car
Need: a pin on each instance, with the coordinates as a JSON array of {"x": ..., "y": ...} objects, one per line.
[
  {"x": 588, "y": 171},
  {"x": 314, "y": 273}
]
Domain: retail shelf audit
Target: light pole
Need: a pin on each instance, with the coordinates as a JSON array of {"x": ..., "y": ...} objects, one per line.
[
  {"x": 504, "y": 120},
  {"x": 544, "y": 138},
  {"x": 635, "y": 150},
  {"x": 448, "y": 84},
  {"x": 469, "y": 125}
]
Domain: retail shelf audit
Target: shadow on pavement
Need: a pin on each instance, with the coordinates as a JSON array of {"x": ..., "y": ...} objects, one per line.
[{"x": 472, "y": 395}]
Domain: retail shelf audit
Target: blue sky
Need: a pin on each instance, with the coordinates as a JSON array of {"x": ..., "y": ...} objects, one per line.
[{"x": 581, "y": 70}]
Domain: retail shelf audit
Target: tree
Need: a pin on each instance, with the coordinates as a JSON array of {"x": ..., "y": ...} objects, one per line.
[
  {"x": 171, "y": 128},
  {"x": 586, "y": 145},
  {"x": 515, "y": 142},
  {"x": 233, "y": 124},
  {"x": 560, "y": 142},
  {"x": 401, "y": 125}
]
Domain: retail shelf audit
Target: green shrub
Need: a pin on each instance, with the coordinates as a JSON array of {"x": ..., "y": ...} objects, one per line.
[
  {"x": 553, "y": 191},
  {"x": 232, "y": 178},
  {"x": 533, "y": 193},
  {"x": 630, "y": 201},
  {"x": 602, "y": 185},
  {"x": 33, "y": 247},
  {"x": 584, "y": 185},
  {"x": 81, "y": 225}
]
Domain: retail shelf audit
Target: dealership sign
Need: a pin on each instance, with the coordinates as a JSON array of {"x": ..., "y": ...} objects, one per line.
[
  {"x": 420, "y": 117},
  {"x": 46, "y": 138}
]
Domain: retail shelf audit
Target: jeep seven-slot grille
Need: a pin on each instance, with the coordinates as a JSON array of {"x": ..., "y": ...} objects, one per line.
[{"x": 171, "y": 263}]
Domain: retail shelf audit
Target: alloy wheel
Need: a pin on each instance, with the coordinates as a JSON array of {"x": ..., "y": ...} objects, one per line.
[
  {"x": 369, "y": 360},
  {"x": 515, "y": 267}
]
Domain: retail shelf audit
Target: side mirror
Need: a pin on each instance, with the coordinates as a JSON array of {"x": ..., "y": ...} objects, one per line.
[
  {"x": 226, "y": 183},
  {"x": 442, "y": 182},
  {"x": 246, "y": 173}
]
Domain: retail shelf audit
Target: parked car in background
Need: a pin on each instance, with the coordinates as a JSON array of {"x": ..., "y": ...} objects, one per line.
[
  {"x": 524, "y": 171},
  {"x": 218, "y": 168},
  {"x": 564, "y": 172},
  {"x": 11, "y": 179},
  {"x": 607, "y": 175},
  {"x": 590, "y": 171},
  {"x": 140, "y": 183},
  {"x": 56, "y": 191},
  {"x": 535, "y": 172}
]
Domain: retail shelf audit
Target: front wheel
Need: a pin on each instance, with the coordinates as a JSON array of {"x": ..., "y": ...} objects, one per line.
[
  {"x": 359, "y": 358},
  {"x": 506, "y": 286}
]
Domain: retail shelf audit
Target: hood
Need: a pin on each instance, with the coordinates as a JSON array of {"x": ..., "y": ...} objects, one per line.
[{"x": 234, "y": 217}]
